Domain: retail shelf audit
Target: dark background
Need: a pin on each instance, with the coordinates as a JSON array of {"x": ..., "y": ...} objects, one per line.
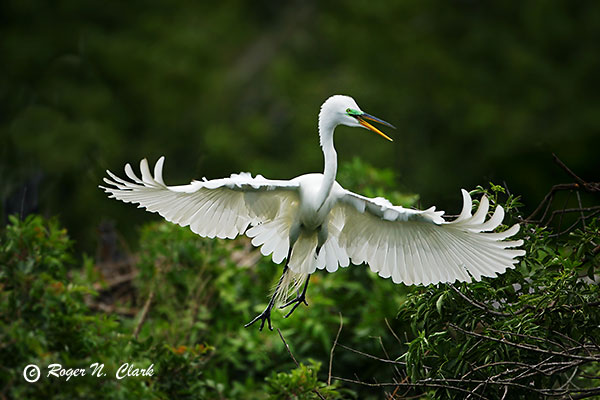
[{"x": 479, "y": 91}]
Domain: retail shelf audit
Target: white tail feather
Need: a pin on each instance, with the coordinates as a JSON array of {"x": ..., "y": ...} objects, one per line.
[{"x": 290, "y": 287}]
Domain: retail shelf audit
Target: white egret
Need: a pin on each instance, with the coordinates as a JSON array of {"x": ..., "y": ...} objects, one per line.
[{"x": 314, "y": 223}]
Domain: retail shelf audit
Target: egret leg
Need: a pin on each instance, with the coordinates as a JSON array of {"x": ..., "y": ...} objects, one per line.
[
  {"x": 266, "y": 314},
  {"x": 300, "y": 298}
]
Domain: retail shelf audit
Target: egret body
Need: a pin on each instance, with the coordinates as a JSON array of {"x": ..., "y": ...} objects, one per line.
[{"x": 312, "y": 222}]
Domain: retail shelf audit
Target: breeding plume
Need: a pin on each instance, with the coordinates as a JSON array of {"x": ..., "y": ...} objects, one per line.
[{"x": 314, "y": 223}]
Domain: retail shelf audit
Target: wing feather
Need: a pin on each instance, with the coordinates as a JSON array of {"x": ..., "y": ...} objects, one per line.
[
  {"x": 383, "y": 256},
  {"x": 467, "y": 206},
  {"x": 429, "y": 268},
  {"x": 398, "y": 273},
  {"x": 481, "y": 212},
  {"x": 221, "y": 208},
  {"x": 402, "y": 272},
  {"x": 392, "y": 257},
  {"x": 443, "y": 257},
  {"x": 420, "y": 247},
  {"x": 409, "y": 264}
]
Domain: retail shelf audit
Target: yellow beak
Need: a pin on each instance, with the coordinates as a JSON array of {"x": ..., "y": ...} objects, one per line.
[{"x": 362, "y": 120}]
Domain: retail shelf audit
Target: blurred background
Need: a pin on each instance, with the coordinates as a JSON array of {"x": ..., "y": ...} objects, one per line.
[{"x": 479, "y": 91}]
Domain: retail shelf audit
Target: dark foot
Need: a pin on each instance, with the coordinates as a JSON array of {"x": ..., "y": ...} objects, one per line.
[
  {"x": 263, "y": 316},
  {"x": 317, "y": 252},
  {"x": 296, "y": 302}
]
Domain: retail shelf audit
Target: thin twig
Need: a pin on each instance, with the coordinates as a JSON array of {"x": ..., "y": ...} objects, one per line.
[
  {"x": 566, "y": 337},
  {"x": 526, "y": 347},
  {"x": 581, "y": 208},
  {"x": 493, "y": 364},
  {"x": 548, "y": 200},
  {"x": 445, "y": 384},
  {"x": 568, "y": 170},
  {"x": 570, "y": 228},
  {"x": 479, "y": 305},
  {"x": 531, "y": 337},
  {"x": 296, "y": 361},
  {"x": 392, "y": 331},
  {"x": 372, "y": 356},
  {"x": 590, "y": 187},
  {"x": 423, "y": 383},
  {"x": 552, "y": 371},
  {"x": 388, "y": 357},
  {"x": 333, "y": 349},
  {"x": 505, "y": 393},
  {"x": 493, "y": 379},
  {"x": 530, "y": 368},
  {"x": 586, "y": 394},
  {"x": 145, "y": 310},
  {"x": 287, "y": 347},
  {"x": 109, "y": 284}
]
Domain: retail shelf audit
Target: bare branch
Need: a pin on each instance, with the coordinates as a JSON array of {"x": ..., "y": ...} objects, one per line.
[
  {"x": 526, "y": 347},
  {"x": 423, "y": 383},
  {"x": 287, "y": 347},
  {"x": 571, "y": 173},
  {"x": 296, "y": 361},
  {"x": 144, "y": 314},
  {"x": 392, "y": 331},
  {"x": 495, "y": 364},
  {"x": 577, "y": 187},
  {"x": 548, "y": 200},
  {"x": 372, "y": 356},
  {"x": 479, "y": 305},
  {"x": 448, "y": 384},
  {"x": 333, "y": 349},
  {"x": 531, "y": 337}
]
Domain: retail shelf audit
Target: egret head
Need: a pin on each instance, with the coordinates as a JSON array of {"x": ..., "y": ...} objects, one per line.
[{"x": 343, "y": 110}]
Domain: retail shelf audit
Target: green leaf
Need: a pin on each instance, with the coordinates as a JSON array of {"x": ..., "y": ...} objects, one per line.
[{"x": 440, "y": 302}]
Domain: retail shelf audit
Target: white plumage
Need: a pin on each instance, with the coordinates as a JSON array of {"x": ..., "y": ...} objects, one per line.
[{"x": 317, "y": 224}]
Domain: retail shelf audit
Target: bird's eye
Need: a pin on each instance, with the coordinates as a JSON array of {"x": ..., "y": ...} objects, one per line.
[{"x": 352, "y": 112}]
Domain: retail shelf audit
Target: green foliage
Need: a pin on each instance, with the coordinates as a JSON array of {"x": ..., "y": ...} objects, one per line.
[
  {"x": 34, "y": 243},
  {"x": 526, "y": 331},
  {"x": 45, "y": 319},
  {"x": 361, "y": 177},
  {"x": 529, "y": 331},
  {"x": 300, "y": 383}
]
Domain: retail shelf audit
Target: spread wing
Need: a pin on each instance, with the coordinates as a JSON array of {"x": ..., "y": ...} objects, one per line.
[
  {"x": 223, "y": 208},
  {"x": 420, "y": 247}
]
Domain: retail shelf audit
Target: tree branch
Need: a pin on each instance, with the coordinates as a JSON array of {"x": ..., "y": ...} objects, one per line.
[
  {"x": 526, "y": 347},
  {"x": 144, "y": 314},
  {"x": 296, "y": 361},
  {"x": 333, "y": 349}
]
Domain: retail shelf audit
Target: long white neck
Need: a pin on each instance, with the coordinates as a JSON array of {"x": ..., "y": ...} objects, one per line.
[{"x": 326, "y": 128}]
